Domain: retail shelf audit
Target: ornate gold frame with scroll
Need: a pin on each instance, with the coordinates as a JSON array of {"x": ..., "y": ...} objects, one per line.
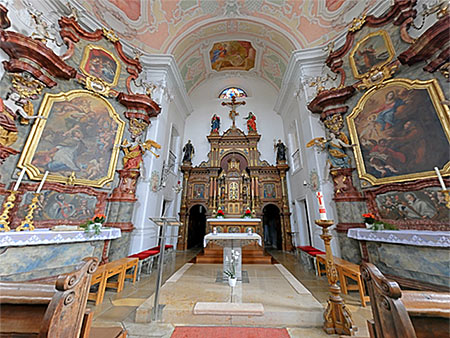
[
  {"x": 355, "y": 121},
  {"x": 85, "y": 59},
  {"x": 53, "y": 142}
]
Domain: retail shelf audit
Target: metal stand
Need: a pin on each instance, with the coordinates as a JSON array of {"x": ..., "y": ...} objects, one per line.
[
  {"x": 338, "y": 319},
  {"x": 163, "y": 223}
]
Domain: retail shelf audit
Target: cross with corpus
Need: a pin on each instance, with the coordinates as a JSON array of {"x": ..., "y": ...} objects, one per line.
[{"x": 233, "y": 104}]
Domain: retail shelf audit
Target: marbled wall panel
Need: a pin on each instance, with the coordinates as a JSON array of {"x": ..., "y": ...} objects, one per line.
[
  {"x": 37, "y": 261},
  {"x": 351, "y": 212},
  {"x": 120, "y": 212},
  {"x": 119, "y": 247},
  {"x": 350, "y": 250},
  {"x": 426, "y": 264}
]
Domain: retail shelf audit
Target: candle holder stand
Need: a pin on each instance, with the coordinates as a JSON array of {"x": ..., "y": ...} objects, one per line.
[
  {"x": 27, "y": 223},
  {"x": 337, "y": 318},
  {"x": 7, "y": 205},
  {"x": 447, "y": 197}
]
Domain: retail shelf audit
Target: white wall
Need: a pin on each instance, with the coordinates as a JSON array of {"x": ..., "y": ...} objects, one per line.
[{"x": 205, "y": 103}]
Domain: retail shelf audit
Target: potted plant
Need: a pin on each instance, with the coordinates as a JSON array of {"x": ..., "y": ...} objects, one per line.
[
  {"x": 247, "y": 213},
  {"x": 373, "y": 224},
  {"x": 231, "y": 272},
  {"x": 95, "y": 224},
  {"x": 220, "y": 214}
]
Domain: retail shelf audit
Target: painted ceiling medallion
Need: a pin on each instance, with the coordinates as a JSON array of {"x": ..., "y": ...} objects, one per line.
[{"x": 232, "y": 55}]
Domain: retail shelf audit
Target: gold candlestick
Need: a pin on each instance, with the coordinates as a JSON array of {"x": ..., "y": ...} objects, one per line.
[
  {"x": 27, "y": 223},
  {"x": 7, "y": 205},
  {"x": 447, "y": 197},
  {"x": 338, "y": 319}
]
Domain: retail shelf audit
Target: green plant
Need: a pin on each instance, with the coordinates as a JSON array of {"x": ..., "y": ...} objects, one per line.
[
  {"x": 369, "y": 218},
  {"x": 94, "y": 224},
  {"x": 247, "y": 213},
  {"x": 231, "y": 272}
]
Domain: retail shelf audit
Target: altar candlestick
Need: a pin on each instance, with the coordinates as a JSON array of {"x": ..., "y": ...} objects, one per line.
[
  {"x": 322, "y": 211},
  {"x": 16, "y": 186},
  {"x": 441, "y": 181},
  {"x": 43, "y": 181}
]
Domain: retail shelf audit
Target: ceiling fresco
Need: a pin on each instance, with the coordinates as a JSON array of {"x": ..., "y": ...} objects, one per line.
[{"x": 188, "y": 29}]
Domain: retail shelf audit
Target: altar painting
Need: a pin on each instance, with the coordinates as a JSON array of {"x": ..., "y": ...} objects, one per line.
[
  {"x": 424, "y": 204},
  {"x": 232, "y": 55},
  {"x": 269, "y": 190},
  {"x": 77, "y": 142},
  {"x": 401, "y": 131},
  {"x": 199, "y": 191},
  {"x": 101, "y": 64},
  {"x": 54, "y": 205},
  {"x": 373, "y": 51}
]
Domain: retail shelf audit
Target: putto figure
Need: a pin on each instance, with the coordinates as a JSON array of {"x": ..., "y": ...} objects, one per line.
[{"x": 215, "y": 124}]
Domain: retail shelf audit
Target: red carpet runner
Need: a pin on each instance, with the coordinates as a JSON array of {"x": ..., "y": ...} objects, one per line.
[{"x": 228, "y": 332}]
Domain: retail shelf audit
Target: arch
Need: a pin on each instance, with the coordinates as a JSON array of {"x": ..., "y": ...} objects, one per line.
[
  {"x": 196, "y": 225},
  {"x": 232, "y": 91},
  {"x": 272, "y": 232}
]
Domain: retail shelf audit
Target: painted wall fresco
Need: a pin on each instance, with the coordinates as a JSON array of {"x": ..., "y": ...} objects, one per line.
[
  {"x": 413, "y": 205},
  {"x": 55, "y": 205},
  {"x": 232, "y": 55}
]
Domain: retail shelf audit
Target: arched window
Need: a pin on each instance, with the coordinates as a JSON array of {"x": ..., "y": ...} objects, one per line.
[{"x": 229, "y": 92}]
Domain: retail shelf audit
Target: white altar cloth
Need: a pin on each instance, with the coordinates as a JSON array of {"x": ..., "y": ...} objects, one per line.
[
  {"x": 408, "y": 237},
  {"x": 231, "y": 220},
  {"x": 222, "y": 238},
  {"x": 46, "y": 236}
]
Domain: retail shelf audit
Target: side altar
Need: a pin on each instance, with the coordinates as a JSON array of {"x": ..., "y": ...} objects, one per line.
[{"x": 247, "y": 228}]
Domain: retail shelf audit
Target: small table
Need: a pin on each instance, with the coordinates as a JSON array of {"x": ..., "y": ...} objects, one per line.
[{"x": 235, "y": 242}]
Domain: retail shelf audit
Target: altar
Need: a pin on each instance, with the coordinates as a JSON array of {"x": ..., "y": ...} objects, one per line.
[
  {"x": 234, "y": 225},
  {"x": 232, "y": 244}
]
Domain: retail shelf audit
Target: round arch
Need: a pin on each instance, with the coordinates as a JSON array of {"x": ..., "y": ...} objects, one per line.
[
  {"x": 272, "y": 232},
  {"x": 196, "y": 225}
]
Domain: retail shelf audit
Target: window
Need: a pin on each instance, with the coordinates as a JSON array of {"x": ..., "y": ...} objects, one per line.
[
  {"x": 230, "y": 92},
  {"x": 294, "y": 148}
]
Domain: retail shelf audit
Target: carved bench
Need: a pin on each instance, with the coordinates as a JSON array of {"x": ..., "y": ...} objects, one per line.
[
  {"x": 406, "y": 314},
  {"x": 345, "y": 270},
  {"x": 38, "y": 309}
]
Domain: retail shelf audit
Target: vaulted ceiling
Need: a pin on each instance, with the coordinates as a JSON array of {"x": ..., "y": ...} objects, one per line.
[{"x": 188, "y": 29}]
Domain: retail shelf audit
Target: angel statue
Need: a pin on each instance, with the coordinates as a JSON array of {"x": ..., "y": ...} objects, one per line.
[
  {"x": 135, "y": 151},
  {"x": 335, "y": 146}
]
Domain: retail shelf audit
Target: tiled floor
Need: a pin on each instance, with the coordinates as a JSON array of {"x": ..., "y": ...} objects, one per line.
[{"x": 281, "y": 301}]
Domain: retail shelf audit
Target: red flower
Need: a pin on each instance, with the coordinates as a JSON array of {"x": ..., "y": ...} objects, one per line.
[
  {"x": 220, "y": 212},
  {"x": 248, "y": 212},
  {"x": 368, "y": 215}
]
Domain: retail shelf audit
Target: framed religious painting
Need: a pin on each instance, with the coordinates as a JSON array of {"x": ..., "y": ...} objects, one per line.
[
  {"x": 77, "y": 141},
  {"x": 401, "y": 132},
  {"x": 232, "y": 55},
  {"x": 269, "y": 190},
  {"x": 101, "y": 64},
  {"x": 374, "y": 51},
  {"x": 198, "y": 191}
]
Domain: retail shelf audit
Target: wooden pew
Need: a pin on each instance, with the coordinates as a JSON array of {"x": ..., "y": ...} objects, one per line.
[
  {"x": 44, "y": 310},
  {"x": 406, "y": 314}
]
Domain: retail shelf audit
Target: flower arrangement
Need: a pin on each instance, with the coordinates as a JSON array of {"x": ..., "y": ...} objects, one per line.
[
  {"x": 95, "y": 223},
  {"x": 373, "y": 224},
  {"x": 231, "y": 272},
  {"x": 247, "y": 213},
  {"x": 220, "y": 214}
]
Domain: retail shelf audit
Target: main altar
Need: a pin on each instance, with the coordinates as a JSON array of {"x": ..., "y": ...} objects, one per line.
[{"x": 232, "y": 181}]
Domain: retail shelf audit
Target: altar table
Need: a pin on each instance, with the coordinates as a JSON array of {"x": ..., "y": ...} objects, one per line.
[{"x": 235, "y": 242}]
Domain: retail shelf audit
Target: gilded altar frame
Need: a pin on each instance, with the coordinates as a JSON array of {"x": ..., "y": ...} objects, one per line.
[
  {"x": 86, "y": 57},
  {"x": 39, "y": 134},
  {"x": 377, "y": 66},
  {"x": 436, "y": 96}
]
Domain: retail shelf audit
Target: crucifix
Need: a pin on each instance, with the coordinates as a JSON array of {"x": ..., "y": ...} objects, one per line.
[{"x": 233, "y": 104}]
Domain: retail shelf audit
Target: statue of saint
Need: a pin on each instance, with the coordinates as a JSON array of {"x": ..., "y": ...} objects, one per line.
[
  {"x": 215, "y": 124},
  {"x": 189, "y": 151},
  {"x": 281, "y": 151},
  {"x": 251, "y": 122}
]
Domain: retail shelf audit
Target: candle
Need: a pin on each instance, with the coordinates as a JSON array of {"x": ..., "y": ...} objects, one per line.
[
  {"x": 42, "y": 183},
  {"x": 16, "y": 186},
  {"x": 441, "y": 181},
  {"x": 322, "y": 211}
]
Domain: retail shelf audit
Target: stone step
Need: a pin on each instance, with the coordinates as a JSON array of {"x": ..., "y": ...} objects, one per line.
[{"x": 228, "y": 309}]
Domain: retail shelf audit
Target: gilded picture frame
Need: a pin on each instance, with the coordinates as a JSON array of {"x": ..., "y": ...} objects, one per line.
[
  {"x": 78, "y": 141},
  {"x": 372, "y": 52},
  {"x": 99, "y": 63},
  {"x": 401, "y": 131}
]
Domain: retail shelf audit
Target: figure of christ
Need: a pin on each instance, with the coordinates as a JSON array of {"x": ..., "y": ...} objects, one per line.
[{"x": 233, "y": 104}]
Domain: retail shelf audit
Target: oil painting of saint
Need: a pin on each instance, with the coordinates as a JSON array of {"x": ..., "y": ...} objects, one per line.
[
  {"x": 400, "y": 130},
  {"x": 100, "y": 64},
  {"x": 374, "y": 50},
  {"x": 232, "y": 55},
  {"x": 78, "y": 137}
]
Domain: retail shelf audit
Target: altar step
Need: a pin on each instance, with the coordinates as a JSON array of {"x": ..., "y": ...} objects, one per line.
[{"x": 251, "y": 254}]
